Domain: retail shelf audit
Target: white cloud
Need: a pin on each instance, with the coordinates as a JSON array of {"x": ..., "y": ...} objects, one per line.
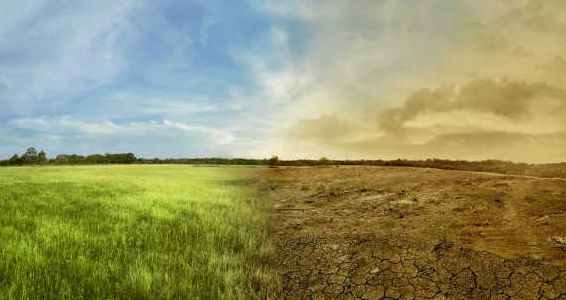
[
  {"x": 221, "y": 137},
  {"x": 279, "y": 36},
  {"x": 65, "y": 125},
  {"x": 79, "y": 51}
]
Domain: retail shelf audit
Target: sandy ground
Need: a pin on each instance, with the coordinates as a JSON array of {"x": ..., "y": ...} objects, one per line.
[{"x": 335, "y": 222}]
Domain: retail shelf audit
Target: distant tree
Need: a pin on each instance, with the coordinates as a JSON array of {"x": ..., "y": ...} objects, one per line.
[
  {"x": 31, "y": 152},
  {"x": 41, "y": 157},
  {"x": 96, "y": 159},
  {"x": 76, "y": 159},
  {"x": 129, "y": 158},
  {"x": 120, "y": 158},
  {"x": 15, "y": 160},
  {"x": 30, "y": 157},
  {"x": 324, "y": 161},
  {"x": 62, "y": 159},
  {"x": 273, "y": 161}
]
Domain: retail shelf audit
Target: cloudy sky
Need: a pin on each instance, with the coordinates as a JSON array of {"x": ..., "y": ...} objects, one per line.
[{"x": 471, "y": 79}]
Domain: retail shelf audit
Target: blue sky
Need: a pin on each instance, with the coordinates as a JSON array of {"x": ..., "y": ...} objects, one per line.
[
  {"x": 158, "y": 78},
  {"x": 295, "y": 78}
]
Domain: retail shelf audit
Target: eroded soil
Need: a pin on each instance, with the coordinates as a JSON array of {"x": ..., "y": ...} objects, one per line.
[{"x": 414, "y": 233}]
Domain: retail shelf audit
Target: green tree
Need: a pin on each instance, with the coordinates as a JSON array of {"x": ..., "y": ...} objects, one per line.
[
  {"x": 96, "y": 159},
  {"x": 62, "y": 159},
  {"x": 31, "y": 152},
  {"x": 15, "y": 160},
  {"x": 129, "y": 158},
  {"x": 42, "y": 157},
  {"x": 30, "y": 157},
  {"x": 75, "y": 159}
]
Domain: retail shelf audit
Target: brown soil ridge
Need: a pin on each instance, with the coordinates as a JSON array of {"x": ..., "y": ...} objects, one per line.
[{"x": 367, "y": 267}]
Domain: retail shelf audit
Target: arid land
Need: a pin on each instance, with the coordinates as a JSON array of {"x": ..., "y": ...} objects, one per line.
[{"x": 365, "y": 232}]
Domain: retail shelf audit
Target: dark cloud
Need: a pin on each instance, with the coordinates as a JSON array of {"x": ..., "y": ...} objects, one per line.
[
  {"x": 509, "y": 99},
  {"x": 421, "y": 101},
  {"x": 511, "y": 102}
]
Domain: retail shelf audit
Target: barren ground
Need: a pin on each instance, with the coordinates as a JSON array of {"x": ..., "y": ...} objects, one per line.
[{"x": 415, "y": 233}]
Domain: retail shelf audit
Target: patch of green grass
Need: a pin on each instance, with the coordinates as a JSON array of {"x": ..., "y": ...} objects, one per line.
[{"x": 133, "y": 232}]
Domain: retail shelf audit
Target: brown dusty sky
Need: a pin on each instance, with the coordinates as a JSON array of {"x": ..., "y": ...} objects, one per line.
[{"x": 420, "y": 79}]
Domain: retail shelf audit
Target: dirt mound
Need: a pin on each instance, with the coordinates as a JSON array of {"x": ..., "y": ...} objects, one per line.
[{"x": 406, "y": 233}]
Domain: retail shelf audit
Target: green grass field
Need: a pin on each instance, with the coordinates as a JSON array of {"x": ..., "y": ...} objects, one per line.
[{"x": 132, "y": 232}]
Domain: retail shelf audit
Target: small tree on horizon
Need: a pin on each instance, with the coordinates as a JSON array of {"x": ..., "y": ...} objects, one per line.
[
  {"x": 30, "y": 157},
  {"x": 273, "y": 161},
  {"x": 15, "y": 160},
  {"x": 31, "y": 152},
  {"x": 42, "y": 157}
]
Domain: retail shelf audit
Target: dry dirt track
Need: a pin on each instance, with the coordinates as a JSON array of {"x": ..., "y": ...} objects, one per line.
[{"x": 405, "y": 233}]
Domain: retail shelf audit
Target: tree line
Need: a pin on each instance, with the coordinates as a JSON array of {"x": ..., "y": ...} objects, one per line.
[{"x": 32, "y": 157}]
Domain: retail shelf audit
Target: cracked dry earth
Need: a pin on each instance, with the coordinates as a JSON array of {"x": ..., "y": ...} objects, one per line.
[{"x": 413, "y": 233}]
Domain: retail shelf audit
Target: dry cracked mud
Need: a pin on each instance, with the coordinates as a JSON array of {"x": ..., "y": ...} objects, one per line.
[
  {"x": 409, "y": 233},
  {"x": 392, "y": 268}
]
